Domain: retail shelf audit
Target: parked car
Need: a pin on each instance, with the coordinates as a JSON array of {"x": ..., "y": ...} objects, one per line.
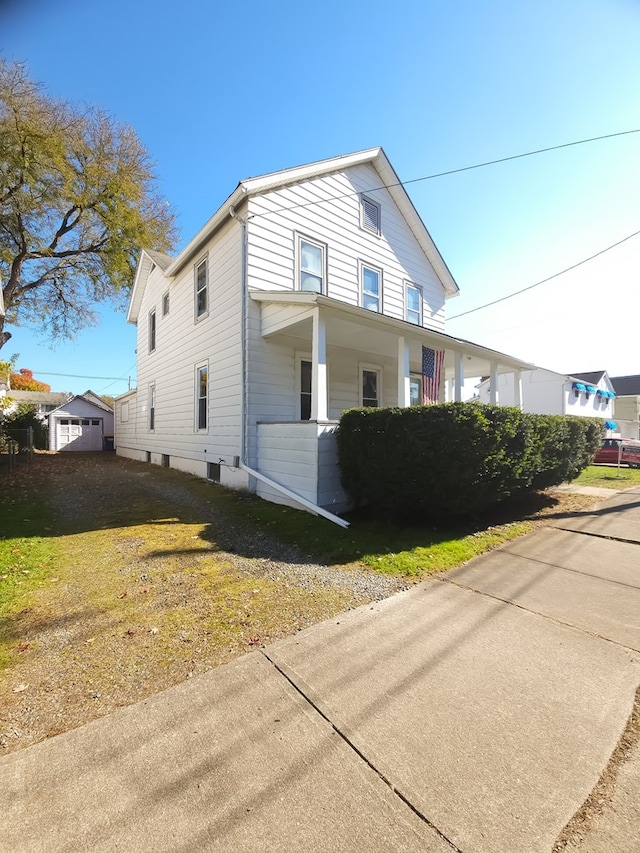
[{"x": 625, "y": 450}]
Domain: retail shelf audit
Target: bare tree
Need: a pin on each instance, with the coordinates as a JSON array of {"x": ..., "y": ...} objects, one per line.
[{"x": 77, "y": 201}]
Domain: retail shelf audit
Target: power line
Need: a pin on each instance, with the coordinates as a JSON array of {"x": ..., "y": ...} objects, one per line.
[
  {"x": 544, "y": 280},
  {"x": 76, "y": 376},
  {"x": 452, "y": 171}
]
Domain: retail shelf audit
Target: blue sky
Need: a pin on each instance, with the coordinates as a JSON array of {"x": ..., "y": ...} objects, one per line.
[{"x": 219, "y": 92}]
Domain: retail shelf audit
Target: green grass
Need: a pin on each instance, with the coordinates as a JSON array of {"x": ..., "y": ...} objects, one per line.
[
  {"x": 406, "y": 550},
  {"x": 28, "y": 556},
  {"x": 609, "y": 477}
]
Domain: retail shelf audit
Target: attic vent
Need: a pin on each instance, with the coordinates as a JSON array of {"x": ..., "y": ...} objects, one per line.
[{"x": 370, "y": 215}]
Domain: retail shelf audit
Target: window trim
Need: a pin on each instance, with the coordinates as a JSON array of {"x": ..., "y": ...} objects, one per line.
[
  {"x": 362, "y": 266},
  {"x": 152, "y": 330},
  {"x": 200, "y": 315},
  {"x": 165, "y": 303},
  {"x": 303, "y": 238},
  {"x": 371, "y": 368},
  {"x": 364, "y": 200},
  {"x": 417, "y": 378},
  {"x": 152, "y": 407},
  {"x": 410, "y": 285},
  {"x": 201, "y": 366}
]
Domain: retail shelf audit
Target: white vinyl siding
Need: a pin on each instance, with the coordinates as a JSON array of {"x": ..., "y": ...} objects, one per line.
[
  {"x": 278, "y": 216},
  {"x": 216, "y": 339}
]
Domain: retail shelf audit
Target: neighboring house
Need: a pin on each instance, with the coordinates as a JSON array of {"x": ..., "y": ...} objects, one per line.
[
  {"x": 44, "y": 401},
  {"x": 83, "y": 422},
  {"x": 545, "y": 392},
  {"x": 308, "y": 292},
  {"x": 627, "y": 405}
]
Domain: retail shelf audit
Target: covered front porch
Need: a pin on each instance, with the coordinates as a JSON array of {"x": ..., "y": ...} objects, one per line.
[{"x": 347, "y": 356}]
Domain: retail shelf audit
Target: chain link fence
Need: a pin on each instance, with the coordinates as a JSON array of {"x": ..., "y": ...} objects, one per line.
[{"x": 16, "y": 447}]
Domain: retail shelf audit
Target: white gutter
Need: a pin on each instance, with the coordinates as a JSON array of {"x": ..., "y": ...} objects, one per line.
[{"x": 278, "y": 487}]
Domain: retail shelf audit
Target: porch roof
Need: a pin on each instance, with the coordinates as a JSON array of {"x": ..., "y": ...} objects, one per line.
[{"x": 289, "y": 313}]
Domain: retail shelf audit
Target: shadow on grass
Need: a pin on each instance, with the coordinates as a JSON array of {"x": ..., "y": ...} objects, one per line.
[{"x": 62, "y": 494}]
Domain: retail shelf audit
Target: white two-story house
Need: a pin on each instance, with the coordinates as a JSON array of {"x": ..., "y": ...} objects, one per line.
[{"x": 308, "y": 292}]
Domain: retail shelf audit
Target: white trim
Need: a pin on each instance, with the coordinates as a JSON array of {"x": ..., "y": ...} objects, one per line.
[
  {"x": 409, "y": 284},
  {"x": 200, "y": 316},
  {"x": 311, "y": 241},
  {"x": 371, "y": 368},
  {"x": 198, "y": 368},
  {"x": 362, "y": 266}
]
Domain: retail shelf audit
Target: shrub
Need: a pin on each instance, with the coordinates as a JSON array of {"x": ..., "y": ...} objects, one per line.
[
  {"x": 457, "y": 458},
  {"x": 19, "y": 421}
]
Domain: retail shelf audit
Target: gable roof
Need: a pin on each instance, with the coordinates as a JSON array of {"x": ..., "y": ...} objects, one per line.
[
  {"x": 592, "y": 378},
  {"x": 88, "y": 397},
  {"x": 626, "y": 386},
  {"x": 276, "y": 180}
]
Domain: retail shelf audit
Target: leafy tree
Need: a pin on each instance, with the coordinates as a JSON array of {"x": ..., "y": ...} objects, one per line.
[
  {"x": 77, "y": 201},
  {"x": 24, "y": 381}
]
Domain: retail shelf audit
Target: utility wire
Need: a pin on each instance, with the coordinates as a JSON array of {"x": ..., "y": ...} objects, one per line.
[
  {"x": 450, "y": 171},
  {"x": 76, "y": 376},
  {"x": 544, "y": 280}
]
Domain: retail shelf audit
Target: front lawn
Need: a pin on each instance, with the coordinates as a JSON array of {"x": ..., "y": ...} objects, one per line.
[{"x": 609, "y": 477}]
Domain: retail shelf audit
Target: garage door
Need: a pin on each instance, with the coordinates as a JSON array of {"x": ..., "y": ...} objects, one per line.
[{"x": 79, "y": 434}]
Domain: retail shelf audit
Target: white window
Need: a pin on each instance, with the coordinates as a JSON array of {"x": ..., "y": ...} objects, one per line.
[
  {"x": 415, "y": 390},
  {"x": 311, "y": 266},
  {"x": 413, "y": 304},
  {"x": 152, "y": 330},
  {"x": 202, "y": 388},
  {"x": 152, "y": 407},
  {"x": 165, "y": 304},
  {"x": 369, "y": 215},
  {"x": 370, "y": 385},
  {"x": 305, "y": 389},
  {"x": 201, "y": 283},
  {"x": 124, "y": 413},
  {"x": 370, "y": 288}
]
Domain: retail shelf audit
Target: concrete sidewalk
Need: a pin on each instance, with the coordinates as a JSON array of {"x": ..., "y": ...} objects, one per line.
[{"x": 473, "y": 713}]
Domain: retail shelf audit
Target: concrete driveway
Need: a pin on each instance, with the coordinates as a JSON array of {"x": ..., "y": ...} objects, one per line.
[{"x": 475, "y": 713}]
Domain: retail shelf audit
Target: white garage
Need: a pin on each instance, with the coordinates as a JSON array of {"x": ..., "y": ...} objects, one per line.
[{"x": 85, "y": 422}]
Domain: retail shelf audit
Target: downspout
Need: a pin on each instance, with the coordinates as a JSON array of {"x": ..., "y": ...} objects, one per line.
[{"x": 244, "y": 414}]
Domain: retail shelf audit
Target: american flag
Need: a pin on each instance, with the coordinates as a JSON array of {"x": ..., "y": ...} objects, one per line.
[{"x": 431, "y": 373}]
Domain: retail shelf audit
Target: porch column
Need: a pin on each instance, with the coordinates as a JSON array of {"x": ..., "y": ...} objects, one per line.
[
  {"x": 517, "y": 389},
  {"x": 319, "y": 368},
  {"x": 404, "y": 383},
  {"x": 493, "y": 384},
  {"x": 458, "y": 378}
]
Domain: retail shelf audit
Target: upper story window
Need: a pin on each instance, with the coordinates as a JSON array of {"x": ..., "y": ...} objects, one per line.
[
  {"x": 201, "y": 284},
  {"x": 312, "y": 258},
  {"x": 369, "y": 215},
  {"x": 371, "y": 288},
  {"x": 413, "y": 304},
  {"x": 165, "y": 304},
  {"x": 152, "y": 330}
]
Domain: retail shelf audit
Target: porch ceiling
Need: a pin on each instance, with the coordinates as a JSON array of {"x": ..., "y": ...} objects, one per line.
[{"x": 288, "y": 315}]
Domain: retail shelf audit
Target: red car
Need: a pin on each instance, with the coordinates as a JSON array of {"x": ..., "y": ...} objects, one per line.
[{"x": 626, "y": 450}]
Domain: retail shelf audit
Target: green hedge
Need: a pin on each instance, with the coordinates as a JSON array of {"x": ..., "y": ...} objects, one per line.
[{"x": 457, "y": 458}]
